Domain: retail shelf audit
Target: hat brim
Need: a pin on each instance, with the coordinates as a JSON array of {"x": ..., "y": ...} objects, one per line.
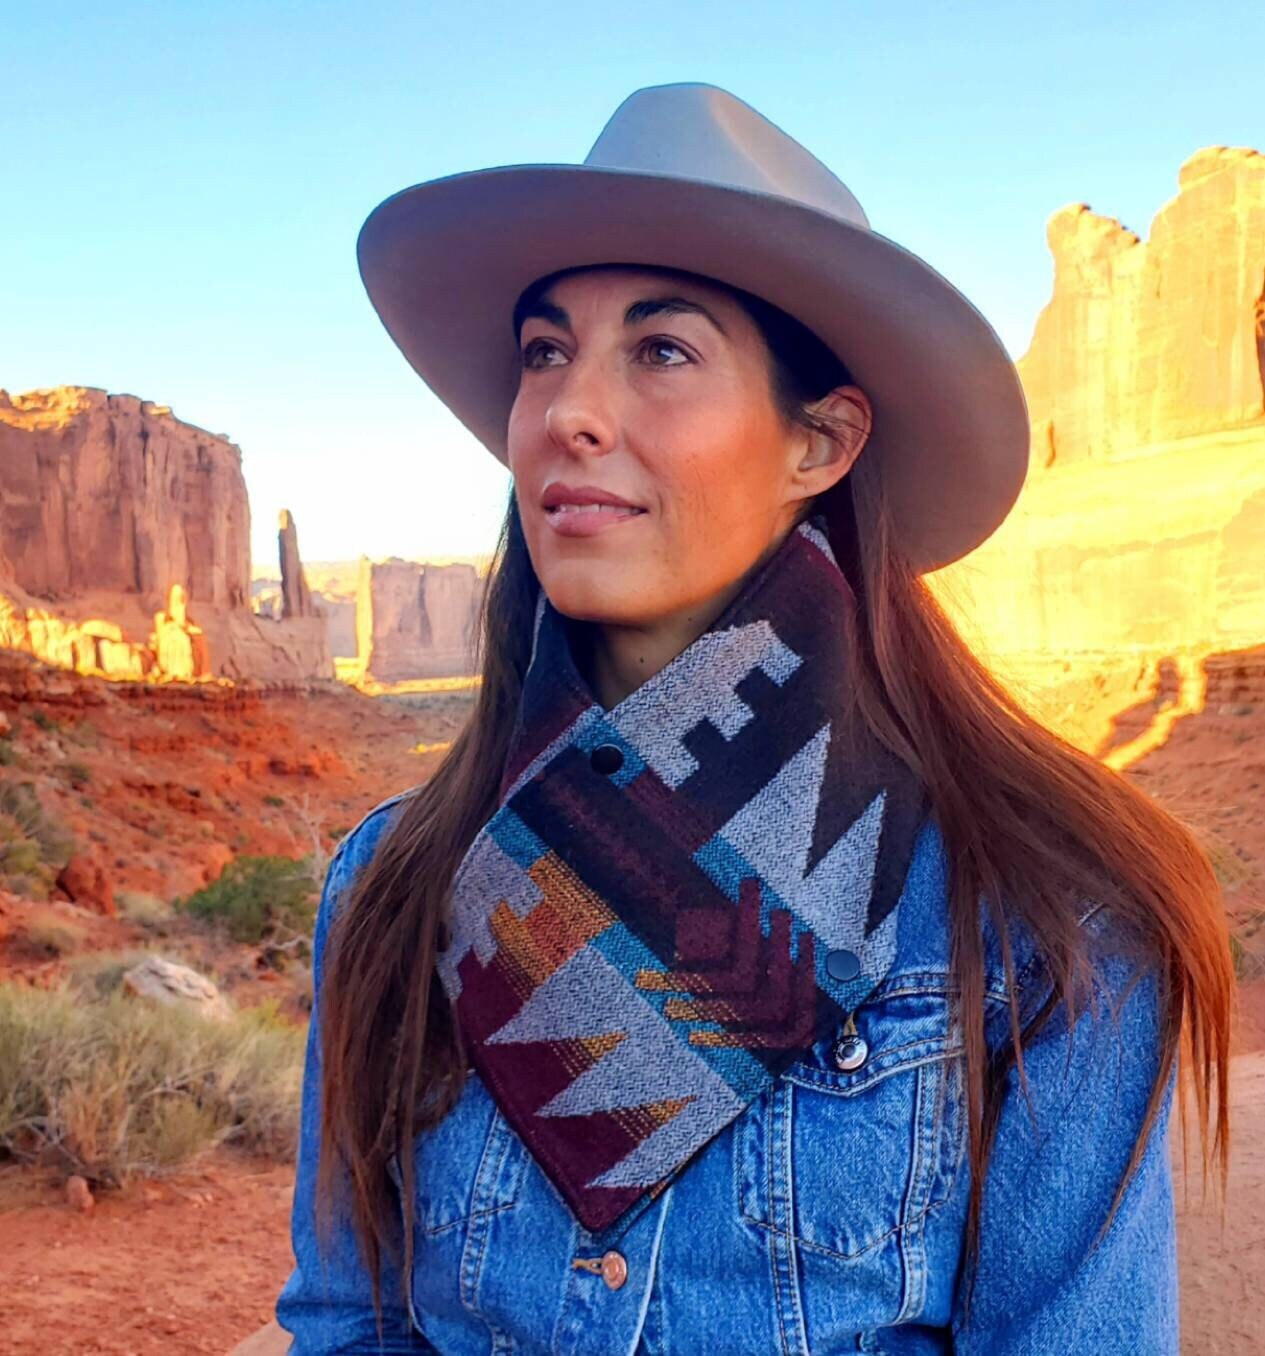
[{"x": 444, "y": 262}]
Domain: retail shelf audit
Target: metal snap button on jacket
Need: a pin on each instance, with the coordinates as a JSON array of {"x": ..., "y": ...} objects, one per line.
[
  {"x": 607, "y": 758},
  {"x": 842, "y": 965},
  {"x": 614, "y": 1269},
  {"x": 611, "y": 1266},
  {"x": 850, "y": 1053}
]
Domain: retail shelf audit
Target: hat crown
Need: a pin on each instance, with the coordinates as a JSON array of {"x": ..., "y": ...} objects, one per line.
[{"x": 699, "y": 131}]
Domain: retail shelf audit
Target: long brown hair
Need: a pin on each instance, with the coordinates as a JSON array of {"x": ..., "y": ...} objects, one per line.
[{"x": 1026, "y": 818}]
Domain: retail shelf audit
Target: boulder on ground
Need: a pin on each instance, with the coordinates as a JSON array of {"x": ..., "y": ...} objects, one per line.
[{"x": 164, "y": 981}]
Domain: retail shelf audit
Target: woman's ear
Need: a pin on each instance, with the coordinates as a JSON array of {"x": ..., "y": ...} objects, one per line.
[{"x": 828, "y": 457}]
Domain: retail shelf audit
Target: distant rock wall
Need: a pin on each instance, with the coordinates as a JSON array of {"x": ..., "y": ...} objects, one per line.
[
  {"x": 125, "y": 546},
  {"x": 340, "y": 624},
  {"x": 416, "y": 620},
  {"x": 1141, "y": 528}
]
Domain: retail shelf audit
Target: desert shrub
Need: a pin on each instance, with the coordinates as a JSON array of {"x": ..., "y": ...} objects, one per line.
[
  {"x": 257, "y": 899},
  {"x": 1245, "y": 949},
  {"x": 33, "y": 845},
  {"x": 274, "y": 801},
  {"x": 145, "y": 910},
  {"x": 84, "y": 733},
  {"x": 115, "y": 1088},
  {"x": 77, "y": 774},
  {"x": 54, "y": 936}
]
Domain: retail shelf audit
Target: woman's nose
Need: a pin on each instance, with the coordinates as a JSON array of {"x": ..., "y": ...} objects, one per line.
[{"x": 580, "y": 416}]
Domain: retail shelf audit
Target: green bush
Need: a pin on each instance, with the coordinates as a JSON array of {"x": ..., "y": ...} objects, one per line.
[
  {"x": 115, "y": 1088},
  {"x": 33, "y": 846},
  {"x": 258, "y": 898}
]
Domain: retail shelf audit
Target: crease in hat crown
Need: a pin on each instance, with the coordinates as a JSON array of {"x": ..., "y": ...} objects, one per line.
[{"x": 700, "y": 131}]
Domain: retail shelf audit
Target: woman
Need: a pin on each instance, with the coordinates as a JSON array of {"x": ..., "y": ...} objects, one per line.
[{"x": 753, "y": 975}]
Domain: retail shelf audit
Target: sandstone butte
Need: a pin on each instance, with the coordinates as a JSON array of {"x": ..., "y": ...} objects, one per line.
[
  {"x": 125, "y": 547},
  {"x": 415, "y": 620},
  {"x": 1140, "y": 532}
]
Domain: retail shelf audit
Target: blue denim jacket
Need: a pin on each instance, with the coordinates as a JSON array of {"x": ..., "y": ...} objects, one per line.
[{"x": 827, "y": 1218}]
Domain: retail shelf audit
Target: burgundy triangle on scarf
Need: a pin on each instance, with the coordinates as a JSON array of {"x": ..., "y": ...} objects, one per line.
[{"x": 678, "y": 896}]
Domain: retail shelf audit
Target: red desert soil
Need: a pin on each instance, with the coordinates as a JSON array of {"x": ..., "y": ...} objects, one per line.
[
  {"x": 178, "y": 783},
  {"x": 189, "y": 1264}
]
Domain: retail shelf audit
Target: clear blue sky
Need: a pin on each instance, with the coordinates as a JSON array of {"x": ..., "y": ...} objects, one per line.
[{"x": 183, "y": 185}]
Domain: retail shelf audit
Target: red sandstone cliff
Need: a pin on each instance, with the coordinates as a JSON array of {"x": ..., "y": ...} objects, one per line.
[
  {"x": 111, "y": 493},
  {"x": 125, "y": 546}
]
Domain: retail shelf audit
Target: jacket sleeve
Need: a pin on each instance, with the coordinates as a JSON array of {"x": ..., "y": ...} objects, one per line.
[
  {"x": 1050, "y": 1183},
  {"x": 327, "y": 1303}
]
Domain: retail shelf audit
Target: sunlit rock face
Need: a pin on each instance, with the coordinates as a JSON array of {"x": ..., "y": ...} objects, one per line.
[
  {"x": 416, "y": 620},
  {"x": 1146, "y": 342},
  {"x": 108, "y": 492},
  {"x": 124, "y": 547},
  {"x": 1141, "y": 529}
]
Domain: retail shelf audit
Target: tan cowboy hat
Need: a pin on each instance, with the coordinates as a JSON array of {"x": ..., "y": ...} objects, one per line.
[{"x": 688, "y": 176}]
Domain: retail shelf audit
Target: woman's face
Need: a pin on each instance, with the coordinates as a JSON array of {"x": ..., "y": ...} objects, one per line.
[{"x": 655, "y": 390}]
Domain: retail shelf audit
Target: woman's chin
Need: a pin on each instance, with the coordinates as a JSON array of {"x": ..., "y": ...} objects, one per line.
[{"x": 584, "y": 591}]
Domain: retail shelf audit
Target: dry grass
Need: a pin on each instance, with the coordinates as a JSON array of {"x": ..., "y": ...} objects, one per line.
[
  {"x": 34, "y": 846},
  {"x": 114, "y": 1088},
  {"x": 54, "y": 937},
  {"x": 145, "y": 910}
]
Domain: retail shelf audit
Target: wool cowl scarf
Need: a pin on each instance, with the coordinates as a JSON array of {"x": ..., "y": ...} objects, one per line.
[{"x": 680, "y": 895}]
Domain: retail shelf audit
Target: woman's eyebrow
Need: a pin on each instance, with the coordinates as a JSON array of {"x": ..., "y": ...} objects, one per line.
[
  {"x": 651, "y": 306},
  {"x": 636, "y": 312}
]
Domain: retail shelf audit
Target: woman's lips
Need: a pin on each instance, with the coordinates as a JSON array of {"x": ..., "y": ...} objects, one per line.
[{"x": 575, "y": 520}]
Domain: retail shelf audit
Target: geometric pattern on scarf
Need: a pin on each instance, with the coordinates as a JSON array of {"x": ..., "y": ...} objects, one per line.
[{"x": 637, "y": 951}]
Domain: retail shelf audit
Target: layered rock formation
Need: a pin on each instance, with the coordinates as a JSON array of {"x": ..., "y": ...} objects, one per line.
[
  {"x": 416, "y": 620},
  {"x": 1142, "y": 526},
  {"x": 108, "y": 493},
  {"x": 1146, "y": 342},
  {"x": 124, "y": 546}
]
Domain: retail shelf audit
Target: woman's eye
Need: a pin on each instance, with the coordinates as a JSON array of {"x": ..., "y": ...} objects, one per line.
[
  {"x": 660, "y": 345},
  {"x": 535, "y": 347}
]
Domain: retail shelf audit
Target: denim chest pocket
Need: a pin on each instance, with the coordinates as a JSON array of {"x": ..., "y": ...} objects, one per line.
[
  {"x": 843, "y": 1160},
  {"x": 469, "y": 1166}
]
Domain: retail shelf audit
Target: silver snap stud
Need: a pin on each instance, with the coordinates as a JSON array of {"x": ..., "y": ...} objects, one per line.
[{"x": 850, "y": 1053}]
